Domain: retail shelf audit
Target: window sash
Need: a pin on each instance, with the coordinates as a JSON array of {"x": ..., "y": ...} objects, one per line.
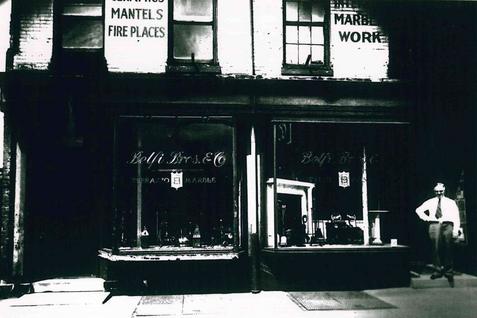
[
  {"x": 82, "y": 25},
  {"x": 81, "y": 32},
  {"x": 306, "y": 37},
  {"x": 178, "y": 21},
  {"x": 181, "y": 14},
  {"x": 200, "y": 41}
]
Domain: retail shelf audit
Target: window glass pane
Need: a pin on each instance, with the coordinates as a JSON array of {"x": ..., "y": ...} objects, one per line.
[
  {"x": 318, "y": 11},
  {"x": 319, "y": 169},
  {"x": 98, "y": 2},
  {"x": 83, "y": 10},
  {"x": 292, "y": 11},
  {"x": 291, "y": 54},
  {"x": 193, "y": 10},
  {"x": 304, "y": 12},
  {"x": 82, "y": 33},
  {"x": 317, "y": 35},
  {"x": 303, "y": 52},
  {"x": 292, "y": 34},
  {"x": 317, "y": 54},
  {"x": 304, "y": 35},
  {"x": 195, "y": 39},
  {"x": 175, "y": 180}
]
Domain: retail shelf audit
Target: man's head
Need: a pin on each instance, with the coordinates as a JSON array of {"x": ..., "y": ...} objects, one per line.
[{"x": 439, "y": 189}]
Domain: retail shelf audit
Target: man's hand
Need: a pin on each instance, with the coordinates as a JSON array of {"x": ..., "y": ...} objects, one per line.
[{"x": 457, "y": 234}]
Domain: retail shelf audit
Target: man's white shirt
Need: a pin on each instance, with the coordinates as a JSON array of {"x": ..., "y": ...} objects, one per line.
[{"x": 449, "y": 209}]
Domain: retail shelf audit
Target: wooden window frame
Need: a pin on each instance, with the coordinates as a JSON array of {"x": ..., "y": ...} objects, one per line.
[
  {"x": 79, "y": 16},
  {"x": 324, "y": 69},
  {"x": 237, "y": 228},
  {"x": 188, "y": 65}
]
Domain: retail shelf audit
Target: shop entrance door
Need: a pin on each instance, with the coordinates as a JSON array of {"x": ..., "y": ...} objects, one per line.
[{"x": 60, "y": 233}]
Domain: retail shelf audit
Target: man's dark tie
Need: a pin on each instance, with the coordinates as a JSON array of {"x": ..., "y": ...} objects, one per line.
[{"x": 438, "y": 211}]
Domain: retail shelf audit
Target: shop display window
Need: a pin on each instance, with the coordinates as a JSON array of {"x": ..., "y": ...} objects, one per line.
[
  {"x": 336, "y": 184},
  {"x": 175, "y": 183}
]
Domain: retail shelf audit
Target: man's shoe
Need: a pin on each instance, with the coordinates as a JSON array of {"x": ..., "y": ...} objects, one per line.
[
  {"x": 436, "y": 275},
  {"x": 450, "y": 279}
]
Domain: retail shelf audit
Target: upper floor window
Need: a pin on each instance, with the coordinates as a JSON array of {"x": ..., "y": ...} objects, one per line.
[
  {"x": 79, "y": 37},
  {"x": 82, "y": 24},
  {"x": 306, "y": 37},
  {"x": 193, "y": 36}
]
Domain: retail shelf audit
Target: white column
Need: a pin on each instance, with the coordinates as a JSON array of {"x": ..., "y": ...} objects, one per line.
[
  {"x": 309, "y": 194},
  {"x": 364, "y": 193},
  {"x": 19, "y": 213},
  {"x": 139, "y": 193},
  {"x": 252, "y": 192}
]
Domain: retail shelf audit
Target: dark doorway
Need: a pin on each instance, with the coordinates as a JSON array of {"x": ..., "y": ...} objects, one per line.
[{"x": 61, "y": 227}]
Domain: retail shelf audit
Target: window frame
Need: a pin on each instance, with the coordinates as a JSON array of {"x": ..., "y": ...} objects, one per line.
[
  {"x": 188, "y": 65},
  {"x": 236, "y": 212},
  {"x": 326, "y": 68},
  {"x": 79, "y": 16}
]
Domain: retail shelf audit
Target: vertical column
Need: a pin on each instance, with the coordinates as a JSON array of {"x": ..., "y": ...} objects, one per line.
[
  {"x": 252, "y": 209},
  {"x": 309, "y": 196},
  {"x": 6, "y": 208},
  {"x": 139, "y": 193},
  {"x": 19, "y": 213},
  {"x": 364, "y": 193}
]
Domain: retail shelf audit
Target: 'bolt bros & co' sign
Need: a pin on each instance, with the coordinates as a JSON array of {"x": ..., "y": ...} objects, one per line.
[{"x": 177, "y": 158}]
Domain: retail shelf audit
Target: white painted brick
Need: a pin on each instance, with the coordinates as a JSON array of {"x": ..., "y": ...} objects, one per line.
[
  {"x": 36, "y": 34},
  {"x": 349, "y": 60},
  {"x": 234, "y": 40},
  {"x": 357, "y": 59},
  {"x": 5, "y": 9},
  {"x": 268, "y": 37},
  {"x": 149, "y": 55}
]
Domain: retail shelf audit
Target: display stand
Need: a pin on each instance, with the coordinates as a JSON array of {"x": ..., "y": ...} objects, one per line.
[{"x": 376, "y": 225}]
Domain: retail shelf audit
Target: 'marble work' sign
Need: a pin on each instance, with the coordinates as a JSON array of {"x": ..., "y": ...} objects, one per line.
[{"x": 359, "y": 46}]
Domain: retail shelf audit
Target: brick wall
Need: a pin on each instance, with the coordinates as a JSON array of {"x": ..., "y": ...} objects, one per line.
[
  {"x": 125, "y": 51},
  {"x": 5, "y": 208},
  {"x": 359, "y": 48},
  {"x": 268, "y": 37},
  {"x": 5, "y": 9},
  {"x": 36, "y": 35},
  {"x": 234, "y": 36},
  {"x": 355, "y": 49}
]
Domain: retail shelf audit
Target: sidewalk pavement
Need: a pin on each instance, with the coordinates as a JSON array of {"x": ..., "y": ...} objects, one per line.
[{"x": 404, "y": 302}]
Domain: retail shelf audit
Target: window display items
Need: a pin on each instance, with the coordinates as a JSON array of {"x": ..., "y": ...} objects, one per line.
[
  {"x": 176, "y": 176},
  {"x": 145, "y": 237},
  {"x": 196, "y": 237},
  {"x": 342, "y": 231}
]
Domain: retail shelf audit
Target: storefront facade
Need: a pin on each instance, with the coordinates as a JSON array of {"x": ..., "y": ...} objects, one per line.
[{"x": 210, "y": 145}]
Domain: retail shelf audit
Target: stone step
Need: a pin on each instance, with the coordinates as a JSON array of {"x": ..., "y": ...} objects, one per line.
[
  {"x": 79, "y": 284},
  {"x": 461, "y": 280}
]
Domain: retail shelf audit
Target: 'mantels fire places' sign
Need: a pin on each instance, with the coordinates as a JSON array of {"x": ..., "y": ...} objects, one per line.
[{"x": 135, "y": 28}]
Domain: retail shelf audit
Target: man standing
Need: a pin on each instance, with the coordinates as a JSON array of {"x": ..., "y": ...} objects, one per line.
[{"x": 442, "y": 215}]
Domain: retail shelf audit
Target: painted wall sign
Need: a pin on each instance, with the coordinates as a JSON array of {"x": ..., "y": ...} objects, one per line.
[
  {"x": 136, "y": 34},
  {"x": 178, "y": 158},
  {"x": 333, "y": 158},
  {"x": 355, "y": 33}
]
